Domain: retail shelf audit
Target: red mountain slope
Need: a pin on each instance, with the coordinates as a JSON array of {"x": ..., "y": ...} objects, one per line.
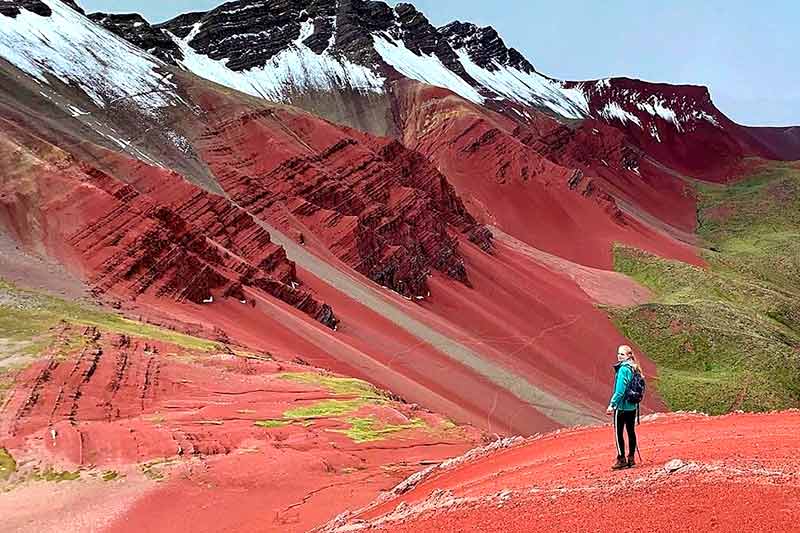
[{"x": 730, "y": 473}]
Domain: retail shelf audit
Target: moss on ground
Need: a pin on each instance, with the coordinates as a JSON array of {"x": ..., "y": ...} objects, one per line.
[
  {"x": 272, "y": 423},
  {"x": 337, "y": 385},
  {"x": 368, "y": 429},
  {"x": 325, "y": 409},
  {"x": 153, "y": 469},
  {"x": 55, "y": 476},
  {"x": 30, "y": 316},
  {"x": 7, "y": 464},
  {"x": 110, "y": 475},
  {"x": 727, "y": 336}
]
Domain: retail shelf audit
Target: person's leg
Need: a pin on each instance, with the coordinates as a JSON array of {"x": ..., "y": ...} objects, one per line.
[
  {"x": 618, "y": 435},
  {"x": 630, "y": 426}
]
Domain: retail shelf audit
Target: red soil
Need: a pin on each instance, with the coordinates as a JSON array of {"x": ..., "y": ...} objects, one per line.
[
  {"x": 539, "y": 323},
  {"x": 156, "y": 234},
  {"x": 735, "y": 473},
  {"x": 122, "y": 403}
]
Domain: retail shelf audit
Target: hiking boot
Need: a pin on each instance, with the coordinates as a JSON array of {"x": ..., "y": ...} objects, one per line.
[
  {"x": 620, "y": 464},
  {"x": 631, "y": 461}
]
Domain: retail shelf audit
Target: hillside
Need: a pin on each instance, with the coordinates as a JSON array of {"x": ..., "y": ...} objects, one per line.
[
  {"x": 694, "y": 477},
  {"x": 275, "y": 257}
]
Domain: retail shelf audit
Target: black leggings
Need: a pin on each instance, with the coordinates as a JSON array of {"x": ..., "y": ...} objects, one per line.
[{"x": 626, "y": 420}]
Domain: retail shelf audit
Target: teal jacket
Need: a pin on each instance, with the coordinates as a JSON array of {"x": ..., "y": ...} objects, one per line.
[{"x": 624, "y": 374}]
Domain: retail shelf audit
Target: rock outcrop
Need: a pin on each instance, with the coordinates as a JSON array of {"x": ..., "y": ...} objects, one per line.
[
  {"x": 135, "y": 29},
  {"x": 380, "y": 207}
]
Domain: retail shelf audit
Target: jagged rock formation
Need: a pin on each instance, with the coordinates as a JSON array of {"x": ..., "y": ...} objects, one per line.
[
  {"x": 135, "y": 29},
  {"x": 157, "y": 235},
  {"x": 11, "y": 8},
  {"x": 484, "y": 46},
  {"x": 378, "y": 206}
]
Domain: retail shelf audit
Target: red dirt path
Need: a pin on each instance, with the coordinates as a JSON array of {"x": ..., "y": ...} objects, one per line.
[{"x": 737, "y": 473}]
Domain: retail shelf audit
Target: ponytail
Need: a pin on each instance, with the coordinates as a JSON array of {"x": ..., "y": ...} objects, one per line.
[{"x": 635, "y": 363}]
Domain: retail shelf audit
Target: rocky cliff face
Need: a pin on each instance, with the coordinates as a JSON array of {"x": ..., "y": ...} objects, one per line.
[
  {"x": 380, "y": 207},
  {"x": 157, "y": 235},
  {"x": 136, "y": 30}
]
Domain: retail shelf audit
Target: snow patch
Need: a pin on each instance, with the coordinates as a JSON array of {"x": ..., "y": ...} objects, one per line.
[
  {"x": 658, "y": 108},
  {"x": 528, "y": 88},
  {"x": 67, "y": 46},
  {"x": 612, "y": 110},
  {"x": 297, "y": 68},
  {"x": 427, "y": 69},
  {"x": 654, "y": 132}
]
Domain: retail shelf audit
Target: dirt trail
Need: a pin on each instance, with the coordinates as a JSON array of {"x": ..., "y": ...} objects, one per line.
[{"x": 548, "y": 404}]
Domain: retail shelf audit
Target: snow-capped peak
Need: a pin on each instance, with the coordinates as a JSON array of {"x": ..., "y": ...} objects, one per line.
[{"x": 67, "y": 46}]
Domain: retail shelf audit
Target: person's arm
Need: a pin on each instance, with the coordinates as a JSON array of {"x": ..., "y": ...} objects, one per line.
[{"x": 623, "y": 378}]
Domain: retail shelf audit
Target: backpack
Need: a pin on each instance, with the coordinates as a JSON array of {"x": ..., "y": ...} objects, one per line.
[{"x": 636, "y": 386}]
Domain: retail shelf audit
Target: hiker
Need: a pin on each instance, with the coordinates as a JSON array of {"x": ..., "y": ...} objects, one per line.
[{"x": 624, "y": 405}]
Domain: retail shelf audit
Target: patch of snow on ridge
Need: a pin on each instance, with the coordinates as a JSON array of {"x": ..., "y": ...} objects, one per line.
[
  {"x": 612, "y": 110},
  {"x": 427, "y": 69},
  {"x": 528, "y": 88},
  {"x": 295, "y": 68},
  {"x": 657, "y": 107},
  {"x": 68, "y": 46}
]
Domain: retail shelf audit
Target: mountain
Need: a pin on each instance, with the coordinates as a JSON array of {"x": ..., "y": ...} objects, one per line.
[
  {"x": 263, "y": 252},
  {"x": 285, "y": 51}
]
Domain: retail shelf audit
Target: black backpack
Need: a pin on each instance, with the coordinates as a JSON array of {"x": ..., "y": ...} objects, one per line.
[{"x": 636, "y": 386}]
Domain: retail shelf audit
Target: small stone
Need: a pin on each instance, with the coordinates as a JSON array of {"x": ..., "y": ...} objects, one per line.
[{"x": 674, "y": 465}]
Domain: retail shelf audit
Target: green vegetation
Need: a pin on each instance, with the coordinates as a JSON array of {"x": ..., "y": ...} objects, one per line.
[
  {"x": 325, "y": 408},
  {"x": 7, "y": 465},
  {"x": 110, "y": 475},
  {"x": 272, "y": 423},
  {"x": 728, "y": 336},
  {"x": 152, "y": 469},
  {"x": 336, "y": 385},
  {"x": 28, "y": 317},
  {"x": 371, "y": 429},
  {"x": 753, "y": 227},
  {"x": 55, "y": 476},
  {"x": 355, "y": 393}
]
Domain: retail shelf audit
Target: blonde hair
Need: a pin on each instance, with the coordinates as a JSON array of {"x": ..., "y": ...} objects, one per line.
[{"x": 634, "y": 362}]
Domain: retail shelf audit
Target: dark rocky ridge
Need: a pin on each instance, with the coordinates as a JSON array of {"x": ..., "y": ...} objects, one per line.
[
  {"x": 136, "y": 30},
  {"x": 11, "y": 8},
  {"x": 249, "y": 33},
  {"x": 484, "y": 46}
]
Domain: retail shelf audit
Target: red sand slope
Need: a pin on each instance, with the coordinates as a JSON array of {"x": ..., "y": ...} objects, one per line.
[{"x": 734, "y": 473}]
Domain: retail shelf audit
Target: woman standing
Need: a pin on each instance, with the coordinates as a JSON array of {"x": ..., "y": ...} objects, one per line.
[{"x": 621, "y": 409}]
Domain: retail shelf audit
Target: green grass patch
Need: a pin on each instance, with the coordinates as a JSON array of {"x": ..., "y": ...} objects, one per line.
[
  {"x": 753, "y": 226},
  {"x": 7, "y": 464},
  {"x": 55, "y": 476},
  {"x": 337, "y": 385},
  {"x": 325, "y": 409},
  {"x": 727, "y": 336},
  {"x": 272, "y": 423},
  {"x": 370, "y": 429},
  {"x": 110, "y": 475},
  {"x": 29, "y": 316}
]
